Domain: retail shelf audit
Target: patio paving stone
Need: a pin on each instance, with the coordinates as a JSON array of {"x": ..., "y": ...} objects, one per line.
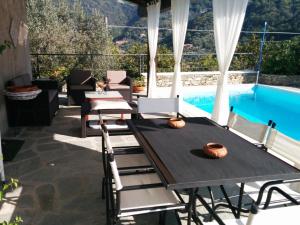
[{"x": 46, "y": 194}]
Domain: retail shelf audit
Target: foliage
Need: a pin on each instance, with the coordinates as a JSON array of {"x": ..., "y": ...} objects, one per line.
[
  {"x": 165, "y": 59},
  {"x": 209, "y": 62},
  {"x": 282, "y": 57},
  {"x": 11, "y": 185},
  {"x": 5, "y": 45},
  {"x": 61, "y": 27},
  {"x": 139, "y": 81},
  {"x": 131, "y": 63}
]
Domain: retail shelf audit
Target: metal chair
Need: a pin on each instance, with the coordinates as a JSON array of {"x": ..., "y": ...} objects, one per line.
[
  {"x": 158, "y": 105},
  {"x": 278, "y": 192},
  {"x": 137, "y": 194},
  {"x": 275, "y": 216},
  {"x": 130, "y": 159},
  {"x": 256, "y": 131}
]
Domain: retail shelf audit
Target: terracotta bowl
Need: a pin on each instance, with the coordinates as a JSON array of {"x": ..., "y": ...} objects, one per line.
[
  {"x": 176, "y": 122},
  {"x": 215, "y": 150}
]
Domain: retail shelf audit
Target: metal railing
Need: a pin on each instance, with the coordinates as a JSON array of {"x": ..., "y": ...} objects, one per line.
[{"x": 50, "y": 64}]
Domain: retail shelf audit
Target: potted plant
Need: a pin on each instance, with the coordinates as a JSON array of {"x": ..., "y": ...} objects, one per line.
[
  {"x": 4, "y": 188},
  {"x": 138, "y": 84}
]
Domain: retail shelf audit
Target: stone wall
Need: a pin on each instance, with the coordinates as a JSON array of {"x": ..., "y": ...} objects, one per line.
[
  {"x": 16, "y": 60},
  {"x": 235, "y": 77},
  {"x": 280, "y": 80},
  {"x": 205, "y": 78}
]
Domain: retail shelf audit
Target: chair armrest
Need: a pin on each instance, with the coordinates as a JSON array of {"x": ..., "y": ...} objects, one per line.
[
  {"x": 93, "y": 82},
  {"x": 127, "y": 81},
  {"x": 46, "y": 84}
]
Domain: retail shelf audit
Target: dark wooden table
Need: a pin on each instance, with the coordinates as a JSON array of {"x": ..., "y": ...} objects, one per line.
[{"x": 178, "y": 157}]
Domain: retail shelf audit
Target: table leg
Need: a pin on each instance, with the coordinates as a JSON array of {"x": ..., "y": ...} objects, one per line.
[
  {"x": 236, "y": 210},
  {"x": 240, "y": 200},
  {"x": 210, "y": 210},
  {"x": 190, "y": 206},
  {"x": 211, "y": 195},
  {"x": 195, "y": 216}
]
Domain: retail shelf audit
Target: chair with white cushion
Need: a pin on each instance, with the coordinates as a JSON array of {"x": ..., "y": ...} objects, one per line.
[
  {"x": 137, "y": 194},
  {"x": 275, "y": 216},
  {"x": 130, "y": 159},
  {"x": 256, "y": 131},
  {"x": 278, "y": 192},
  {"x": 158, "y": 105}
]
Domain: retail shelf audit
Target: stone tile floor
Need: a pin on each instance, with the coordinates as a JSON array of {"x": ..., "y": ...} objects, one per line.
[{"x": 60, "y": 176}]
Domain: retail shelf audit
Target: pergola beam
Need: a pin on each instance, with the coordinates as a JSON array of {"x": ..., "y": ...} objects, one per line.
[{"x": 142, "y": 4}]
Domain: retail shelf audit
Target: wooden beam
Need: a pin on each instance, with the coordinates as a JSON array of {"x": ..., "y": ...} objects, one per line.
[{"x": 142, "y": 4}]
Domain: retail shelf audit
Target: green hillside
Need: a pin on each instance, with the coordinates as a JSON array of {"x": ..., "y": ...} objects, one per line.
[{"x": 281, "y": 15}]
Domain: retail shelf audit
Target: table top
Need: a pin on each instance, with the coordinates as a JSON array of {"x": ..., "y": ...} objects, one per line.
[
  {"x": 103, "y": 95},
  {"x": 178, "y": 156}
]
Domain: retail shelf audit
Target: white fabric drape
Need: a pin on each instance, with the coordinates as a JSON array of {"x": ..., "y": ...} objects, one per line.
[
  {"x": 153, "y": 25},
  {"x": 228, "y": 20},
  {"x": 1, "y": 163},
  {"x": 180, "y": 16}
]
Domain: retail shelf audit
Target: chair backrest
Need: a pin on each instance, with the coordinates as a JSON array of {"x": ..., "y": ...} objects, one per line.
[
  {"x": 106, "y": 137},
  {"x": 256, "y": 131},
  {"x": 285, "y": 146},
  {"x": 111, "y": 158},
  {"x": 79, "y": 77},
  {"x": 116, "y": 76},
  {"x": 21, "y": 80},
  {"x": 158, "y": 105},
  {"x": 115, "y": 172},
  {"x": 275, "y": 216}
]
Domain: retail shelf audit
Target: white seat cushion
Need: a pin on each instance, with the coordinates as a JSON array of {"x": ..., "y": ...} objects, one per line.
[
  {"x": 140, "y": 179},
  {"x": 110, "y": 124},
  {"x": 110, "y": 104},
  {"x": 145, "y": 198},
  {"x": 132, "y": 160}
]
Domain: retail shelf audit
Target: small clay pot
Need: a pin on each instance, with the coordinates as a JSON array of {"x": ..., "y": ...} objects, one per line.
[
  {"x": 137, "y": 89},
  {"x": 215, "y": 150},
  {"x": 176, "y": 122}
]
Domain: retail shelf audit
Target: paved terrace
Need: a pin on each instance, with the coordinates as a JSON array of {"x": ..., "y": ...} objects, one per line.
[{"x": 60, "y": 176}]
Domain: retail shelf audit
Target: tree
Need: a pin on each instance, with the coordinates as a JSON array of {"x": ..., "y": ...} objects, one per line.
[{"x": 63, "y": 28}]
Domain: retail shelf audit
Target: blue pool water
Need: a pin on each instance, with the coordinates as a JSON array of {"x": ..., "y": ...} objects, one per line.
[{"x": 260, "y": 104}]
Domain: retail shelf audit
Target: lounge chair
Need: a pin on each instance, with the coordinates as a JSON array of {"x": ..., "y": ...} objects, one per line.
[
  {"x": 118, "y": 81},
  {"x": 78, "y": 82}
]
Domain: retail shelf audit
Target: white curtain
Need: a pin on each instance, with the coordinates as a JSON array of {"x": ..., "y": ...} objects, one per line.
[
  {"x": 180, "y": 16},
  {"x": 153, "y": 10},
  {"x": 1, "y": 163},
  {"x": 228, "y": 21}
]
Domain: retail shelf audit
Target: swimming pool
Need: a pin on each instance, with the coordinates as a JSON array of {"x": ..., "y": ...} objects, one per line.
[{"x": 259, "y": 104}]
